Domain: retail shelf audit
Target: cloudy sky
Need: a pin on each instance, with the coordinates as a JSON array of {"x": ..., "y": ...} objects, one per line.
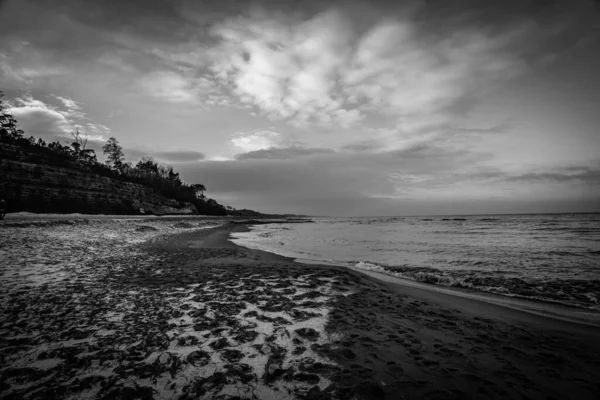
[{"x": 325, "y": 107}]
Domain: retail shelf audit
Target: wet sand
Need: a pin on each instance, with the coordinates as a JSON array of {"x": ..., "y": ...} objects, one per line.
[{"x": 157, "y": 308}]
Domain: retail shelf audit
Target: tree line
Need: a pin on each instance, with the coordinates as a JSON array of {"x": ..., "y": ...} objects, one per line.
[{"x": 163, "y": 179}]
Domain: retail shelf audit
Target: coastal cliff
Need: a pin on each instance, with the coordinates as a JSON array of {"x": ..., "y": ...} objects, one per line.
[{"x": 36, "y": 181}]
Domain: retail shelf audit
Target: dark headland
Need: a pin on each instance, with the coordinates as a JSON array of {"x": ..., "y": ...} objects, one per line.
[{"x": 153, "y": 308}]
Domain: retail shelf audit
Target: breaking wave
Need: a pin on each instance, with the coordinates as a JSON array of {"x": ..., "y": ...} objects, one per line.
[
  {"x": 551, "y": 258},
  {"x": 572, "y": 292}
]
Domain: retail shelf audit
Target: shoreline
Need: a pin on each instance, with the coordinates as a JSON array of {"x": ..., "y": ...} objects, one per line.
[
  {"x": 521, "y": 309},
  {"x": 584, "y": 313},
  {"x": 478, "y": 305},
  {"x": 157, "y": 308}
]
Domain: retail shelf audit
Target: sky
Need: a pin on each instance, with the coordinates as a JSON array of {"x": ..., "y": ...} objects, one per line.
[{"x": 325, "y": 107}]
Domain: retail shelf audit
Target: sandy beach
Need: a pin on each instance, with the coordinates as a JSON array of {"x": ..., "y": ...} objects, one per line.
[{"x": 161, "y": 308}]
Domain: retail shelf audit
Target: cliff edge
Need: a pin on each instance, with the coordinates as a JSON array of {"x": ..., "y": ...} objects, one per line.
[{"x": 32, "y": 180}]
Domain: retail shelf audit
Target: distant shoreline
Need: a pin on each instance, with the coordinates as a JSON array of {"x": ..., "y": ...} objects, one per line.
[{"x": 450, "y": 215}]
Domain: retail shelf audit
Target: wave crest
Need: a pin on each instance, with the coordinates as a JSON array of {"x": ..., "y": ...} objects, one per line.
[{"x": 572, "y": 292}]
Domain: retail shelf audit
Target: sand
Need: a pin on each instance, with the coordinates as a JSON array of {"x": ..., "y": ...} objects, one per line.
[{"x": 169, "y": 308}]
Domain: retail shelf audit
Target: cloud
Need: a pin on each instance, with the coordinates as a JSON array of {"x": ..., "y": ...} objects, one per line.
[
  {"x": 167, "y": 85},
  {"x": 334, "y": 69},
  {"x": 417, "y": 180},
  {"x": 283, "y": 178},
  {"x": 11, "y": 78},
  {"x": 220, "y": 158},
  {"x": 587, "y": 175},
  {"x": 168, "y": 156},
  {"x": 331, "y": 183},
  {"x": 377, "y": 100},
  {"x": 286, "y": 70},
  {"x": 73, "y": 108},
  {"x": 255, "y": 140},
  {"x": 179, "y": 156},
  {"x": 184, "y": 87},
  {"x": 41, "y": 122},
  {"x": 285, "y": 171},
  {"x": 396, "y": 71},
  {"x": 282, "y": 153},
  {"x": 15, "y": 73},
  {"x": 41, "y": 119},
  {"x": 95, "y": 131},
  {"x": 70, "y": 104}
]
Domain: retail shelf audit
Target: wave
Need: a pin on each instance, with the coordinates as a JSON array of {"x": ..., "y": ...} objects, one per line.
[
  {"x": 566, "y": 253},
  {"x": 546, "y": 265},
  {"x": 568, "y": 229},
  {"x": 571, "y": 292}
]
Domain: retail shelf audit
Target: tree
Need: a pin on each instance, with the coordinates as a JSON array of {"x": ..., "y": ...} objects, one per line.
[
  {"x": 127, "y": 166},
  {"x": 76, "y": 149},
  {"x": 173, "y": 177},
  {"x": 9, "y": 130},
  {"x": 114, "y": 154},
  {"x": 199, "y": 190},
  {"x": 88, "y": 156},
  {"x": 148, "y": 166},
  {"x": 80, "y": 141}
]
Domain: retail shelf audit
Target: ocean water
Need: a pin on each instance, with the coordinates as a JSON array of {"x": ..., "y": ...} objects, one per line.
[{"x": 547, "y": 257}]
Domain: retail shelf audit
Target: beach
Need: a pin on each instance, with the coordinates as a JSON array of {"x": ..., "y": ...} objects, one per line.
[{"x": 156, "y": 308}]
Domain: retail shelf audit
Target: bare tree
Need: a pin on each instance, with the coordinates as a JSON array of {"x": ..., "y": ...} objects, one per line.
[{"x": 79, "y": 139}]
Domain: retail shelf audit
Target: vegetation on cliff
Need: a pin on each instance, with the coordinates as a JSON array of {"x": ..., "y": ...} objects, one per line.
[{"x": 162, "y": 179}]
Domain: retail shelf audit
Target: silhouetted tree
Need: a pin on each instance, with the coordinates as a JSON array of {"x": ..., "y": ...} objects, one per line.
[
  {"x": 80, "y": 142},
  {"x": 147, "y": 166},
  {"x": 9, "y": 131},
  {"x": 114, "y": 154},
  {"x": 127, "y": 167},
  {"x": 199, "y": 190}
]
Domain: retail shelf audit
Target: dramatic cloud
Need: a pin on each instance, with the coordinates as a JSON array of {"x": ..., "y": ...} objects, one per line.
[{"x": 334, "y": 69}]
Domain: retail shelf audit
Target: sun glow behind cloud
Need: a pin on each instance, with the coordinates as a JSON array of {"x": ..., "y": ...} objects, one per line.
[{"x": 257, "y": 140}]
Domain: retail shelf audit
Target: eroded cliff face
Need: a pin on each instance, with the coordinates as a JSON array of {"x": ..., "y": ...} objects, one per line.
[{"x": 33, "y": 181}]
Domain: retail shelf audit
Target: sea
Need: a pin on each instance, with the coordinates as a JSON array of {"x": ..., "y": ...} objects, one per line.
[{"x": 546, "y": 257}]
